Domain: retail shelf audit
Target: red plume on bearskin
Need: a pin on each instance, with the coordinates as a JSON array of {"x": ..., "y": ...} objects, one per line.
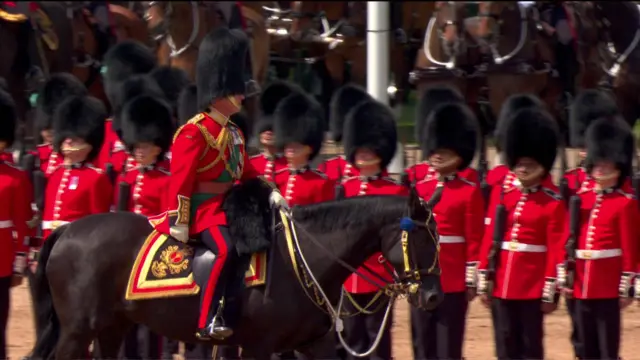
[
  {"x": 147, "y": 119},
  {"x": 8, "y": 118},
  {"x": 80, "y": 117},
  {"x": 371, "y": 125},
  {"x": 610, "y": 139},
  {"x": 588, "y": 106},
  {"x": 53, "y": 92},
  {"x": 533, "y": 133},
  {"x": 431, "y": 98},
  {"x": 299, "y": 119},
  {"x": 271, "y": 96},
  {"x": 187, "y": 104},
  {"x": 344, "y": 99},
  {"x": 454, "y": 127}
]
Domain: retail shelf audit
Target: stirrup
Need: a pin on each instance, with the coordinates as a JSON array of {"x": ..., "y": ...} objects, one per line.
[{"x": 218, "y": 330}]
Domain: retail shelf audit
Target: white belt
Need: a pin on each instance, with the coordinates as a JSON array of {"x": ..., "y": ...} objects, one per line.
[
  {"x": 450, "y": 239},
  {"x": 598, "y": 254},
  {"x": 520, "y": 247},
  {"x": 5, "y": 224},
  {"x": 52, "y": 225}
]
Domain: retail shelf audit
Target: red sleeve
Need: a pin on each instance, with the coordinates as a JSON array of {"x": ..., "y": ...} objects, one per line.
[
  {"x": 22, "y": 212},
  {"x": 410, "y": 174},
  {"x": 556, "y": 224},
  {"x": 401, "y": 190},
  {"x": 102, "y": 195},
  {"x": 249, "y": 172},
  {"x": 474, "y": 223},
  {"x": 487, "y": 237},
  {"x": 628, "y": 225}
]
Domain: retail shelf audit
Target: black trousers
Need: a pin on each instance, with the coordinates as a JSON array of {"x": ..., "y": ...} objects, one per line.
[
  {"x": 360, "y": 331},
  {"x": 518, "y": 329},
  {"x": 599, "y": 327},
  {"x": 439, "y": 334},
  {"x": 578, "y": 348},
  {"x": 141, "y": 343},
  {"x": 5, "y": 299}
]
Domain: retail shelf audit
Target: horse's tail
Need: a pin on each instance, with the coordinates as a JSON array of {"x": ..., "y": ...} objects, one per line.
[{"x": 47, "y": 324}]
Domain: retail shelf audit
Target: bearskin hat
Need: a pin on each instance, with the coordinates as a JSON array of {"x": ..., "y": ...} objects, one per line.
[
  {"x": 3, "y": 84},
  {"x": 513, "y": 104},
  {"x": 57, "y": 88},
  {"x": 129, "y": 89},
  {"x": 82, "y": 117},
  {"x": 431, "y": 98},
  {"x": 588, "y": 106},
  {"x": 371, "y": 125},
  {"x": 531, "y": 132},
  {"x": 454, "y": 127},
  {"x": 269, "y": 100},
  {"x": 220, "y": 69},
  {"x": 147, "y": 119},
  {"x": 8, "y": 118},
  {"x": 344, "y": 99},
  {"x": 171, "y": 81},
  {"x": 123, "y": 60},
  {"x": 612, "y": 140},
  {"x": 187, "y": 104},
  {"x": 299, "y": 119}
]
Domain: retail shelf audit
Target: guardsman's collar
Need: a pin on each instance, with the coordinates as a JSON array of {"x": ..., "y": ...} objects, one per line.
[
  {"x": 370, "y": 178},
  {"x": 609, "y": 190},
  {"x": 77, "y": 165},
  {"x": 299, "y": 170},
  {"x": 448, "y": 177},
  {"x": 144, "y": 168},
  {"x": 526, "y": 190},
  {"x": 272, "y": 157}
]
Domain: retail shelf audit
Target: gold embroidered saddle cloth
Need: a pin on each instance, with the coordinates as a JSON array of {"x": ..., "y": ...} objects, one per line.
[
  {"x": 20, "y": 13},
  {"x": 165, "y": 267}
]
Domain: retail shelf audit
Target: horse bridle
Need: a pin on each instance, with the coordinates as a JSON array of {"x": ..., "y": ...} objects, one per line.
[
  {"x": 164, "y": 27},
  {"x": 452, "y": 51},
  {"x": 492, "y": 43}
]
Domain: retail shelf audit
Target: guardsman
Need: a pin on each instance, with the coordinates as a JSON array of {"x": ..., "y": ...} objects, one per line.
[
  {"x": 514, "y": 103},
  {"x": 588, "y": 106},
  {"x": 16, "y": 193},
  {"x": 606, "y": 251},
  {"x": 432, "y": 98},
  {"x": 523, "y": 236},
  {"x": 147, "y": 129},
  {"x": 57, "y": 88},
  {"x": 200, "y": 178},
  {"x": 298, "y": 126},
  {"x": 370, "y": 142},
  {"x": 172, "y": 81},
  {"x": 76, "y": 188},
  {"x": 346, "y": 98},
  {"x": 123, "y": 60},
  {"x": 451, "y": 139},
  {"x": 269, "y": 161}
]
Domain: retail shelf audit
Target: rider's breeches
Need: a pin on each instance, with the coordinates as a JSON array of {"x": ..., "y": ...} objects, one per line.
[
  {"x": 5, "y": 285},
  {"x": 439, "y": 334},
  {"x": 218, "y": 240},
  {"x": 360, "y": 331},
  {"x": 141, "y": 343}
]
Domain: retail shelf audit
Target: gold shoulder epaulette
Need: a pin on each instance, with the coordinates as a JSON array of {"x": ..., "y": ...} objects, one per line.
[{"x": 196, "y": 119}]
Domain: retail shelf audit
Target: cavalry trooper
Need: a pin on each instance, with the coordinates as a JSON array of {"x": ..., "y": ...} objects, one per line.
[
  {"x": 522, "y": 238},
  {"x": 15, "y": 216},
  {"x": 147, "y": 129},
  {"x": 76, "y": 188},
  {"x": 53, "y": 92},
  {"x": 172, "y": 81},
  {"x": 450, "y": 134},
  {"x": 370, "y": 142},
  {"x": 606, "y": 251},
  {"x": 270, "y": 161},
  {"x": 346, "y": 98},
  {"x": 123, "y": 60},
  {"x": 514, "y": 103},
  {"x": 200, "y": 178},
  {"x": 431, "y": 98}
]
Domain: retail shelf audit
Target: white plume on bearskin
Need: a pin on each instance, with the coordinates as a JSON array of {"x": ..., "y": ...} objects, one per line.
[
  {"x": 147, "y": 119},
  {"x": 80, "y": 117},
  {"x": 454, "y": 127},
  {"x": 533, "y": 133},
  {"x": 588, "y": 106},
  {"x": 371, "y": 125},
  {"x": 220, "y": 69},
  {"x": 52, "y": 93},
  {"x": 431, "y": 98},
  {"x": 343, "y": 101},
  {"x": 271, "y": 96},
  {"x": 8, "y": 118},
  {"x": 610, "y": 139},
  {"x": 299, "y": 119}
]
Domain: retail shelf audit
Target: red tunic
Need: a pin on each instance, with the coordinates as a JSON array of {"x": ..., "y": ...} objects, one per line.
[
  {"x": 459, "y": 216},
  {"x": 6, "y": 157},
  {"x": 532, "y": 240},
  {"x": 17, "y": 194},
  {"x": 74, "y": 192},
  {"x": 355, "y": 186},
  {"x": 607, "y": 249},
  {"x": 202, "y": 153},
  {"x": 304, "y": 187},
  {"x": 496, "y": 175},
  {"x": 148, "y": 189},
  {"x": 267, "y": 166},
  {"x": 422, "y": 171},
  {"x": 110, "y": 145},
  {"x": 338, "y": 169}
]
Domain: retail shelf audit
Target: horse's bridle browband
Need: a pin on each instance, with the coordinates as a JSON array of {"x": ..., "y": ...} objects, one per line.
[{"x": 168, "y": 10}]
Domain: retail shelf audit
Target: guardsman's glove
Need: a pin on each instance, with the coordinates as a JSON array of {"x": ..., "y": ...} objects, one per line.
[
  {"x": 637, "y": 287},
  {"x": 278, "y": 201},
  {"x": 20, "y": 263},
  {"x": 180, "y": 233},
  {"x": 626, "y": 283}
]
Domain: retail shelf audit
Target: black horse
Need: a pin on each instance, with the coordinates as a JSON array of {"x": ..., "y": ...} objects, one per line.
[{"x": 84, "y": 268}]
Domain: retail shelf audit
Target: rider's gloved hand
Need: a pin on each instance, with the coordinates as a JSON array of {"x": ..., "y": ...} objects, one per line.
[
  {"x": 278, "y": 201},
  {"x": 180, "y": 233}
]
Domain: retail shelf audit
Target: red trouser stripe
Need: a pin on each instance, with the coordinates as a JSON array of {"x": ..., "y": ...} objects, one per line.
[{"x": 218, "y": 264}]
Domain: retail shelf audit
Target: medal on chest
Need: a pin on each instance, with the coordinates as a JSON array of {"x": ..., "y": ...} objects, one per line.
[{"x": 235, "y": 162}]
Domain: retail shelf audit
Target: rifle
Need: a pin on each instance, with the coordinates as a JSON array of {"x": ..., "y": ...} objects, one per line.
[
  {"x": 39, "y": 187},
  {"x": 111, "y": 173},
  {"x": 339, "y": 189},
  {"x": 572, "y": 242},
  {"x": 499, "y": 222},
  {"x": 124, "y": 194},
  {"x": 483, "y": 168}
]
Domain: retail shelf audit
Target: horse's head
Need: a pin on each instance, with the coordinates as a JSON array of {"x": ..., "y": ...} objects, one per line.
[
  {"x": 155, "y": 14},
  {"x": 415, "y": 254},
  {"x": 448, "y": 21}
]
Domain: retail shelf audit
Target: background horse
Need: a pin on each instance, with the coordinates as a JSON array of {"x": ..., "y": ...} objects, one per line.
[{"x": 84, "y": 268}]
